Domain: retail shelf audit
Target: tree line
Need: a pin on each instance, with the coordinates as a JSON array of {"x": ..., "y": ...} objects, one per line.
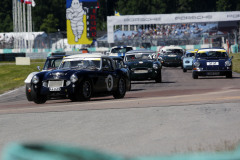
[{"x": 50, "y": 16}]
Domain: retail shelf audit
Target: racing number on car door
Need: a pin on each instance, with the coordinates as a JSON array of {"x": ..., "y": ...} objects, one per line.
[
  {"x": 109, "y": 82},
  {"x": 107, "y": 74}
]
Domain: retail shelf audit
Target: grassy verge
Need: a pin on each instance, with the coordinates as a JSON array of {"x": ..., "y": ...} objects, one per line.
[
  {"x": 236, "y": 62},
  {"x": 13, "y": 76}
]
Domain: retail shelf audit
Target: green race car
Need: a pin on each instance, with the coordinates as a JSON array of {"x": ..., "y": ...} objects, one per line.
[{"x": 143, "y": 65}]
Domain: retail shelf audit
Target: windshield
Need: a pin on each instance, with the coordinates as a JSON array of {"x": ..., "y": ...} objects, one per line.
[
  {"x": 80, "y": 64},
  {"x": 139, "y": 57},
  {"x": 51, "y": 64},
  {"x": 190, "y": 54},
  {"x": 212, "y": 54},
  {"x": 119, "y": 63},
  {"x": 173, "y": 53},
  {"x": 121, "y": 50}
]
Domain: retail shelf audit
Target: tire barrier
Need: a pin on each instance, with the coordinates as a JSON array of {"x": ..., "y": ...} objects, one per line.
[{"x": 11, "y": 56}]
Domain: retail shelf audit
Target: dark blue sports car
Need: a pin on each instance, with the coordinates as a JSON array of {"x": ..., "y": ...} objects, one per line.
[
  {"x": 212, "y": 62},
  {"x": 80, "y": 77}
]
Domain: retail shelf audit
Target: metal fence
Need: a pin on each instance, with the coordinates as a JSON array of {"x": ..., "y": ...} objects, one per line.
[
  {"x": 31, "y": 40},
  {"x": 58, "y": 41},
  {"x": 214, "y": 40}
]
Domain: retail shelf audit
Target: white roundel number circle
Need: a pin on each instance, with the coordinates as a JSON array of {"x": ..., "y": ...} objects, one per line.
[{"x": 109, "y": 82}]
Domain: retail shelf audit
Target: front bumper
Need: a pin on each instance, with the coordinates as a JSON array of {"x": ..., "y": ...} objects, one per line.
[
  {"x": 171, "y": 63},
  {"x": 150, "y": 75},
  {"x": 58, "y": 92},
  {"x": 188, "y": 67},
  {"x": 212, "y": 72}
]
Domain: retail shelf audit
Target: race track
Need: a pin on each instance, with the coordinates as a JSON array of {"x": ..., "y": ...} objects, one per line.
[{"x": 178, "y": 115}]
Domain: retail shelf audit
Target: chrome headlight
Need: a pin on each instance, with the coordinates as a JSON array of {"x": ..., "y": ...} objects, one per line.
[
  {"x": 228, "y": 63},
  {"x": 35, "y": 79},
  {"x": 73, "y": 78},
  {"x": 197, "y": 64},
  {"x": 155, "y": 66}
]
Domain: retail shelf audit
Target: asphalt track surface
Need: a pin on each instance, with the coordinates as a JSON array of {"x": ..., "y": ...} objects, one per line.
[{"x": 178, "y": 115}]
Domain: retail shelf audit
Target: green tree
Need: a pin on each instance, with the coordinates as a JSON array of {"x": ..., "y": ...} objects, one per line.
[
  {"x": 141, "y": 7},
  {"x": 43, "y": 8},
  {"x": 223, "y": 5},
  {"x": 184, "y": 6},
  {"x": 57, "y": 10},
  {"x": 8, "y": 24},
  {"x": 50, "y": 24},
  {"x": 204, "y": 6},
  {"x": 6, "y": 16}
]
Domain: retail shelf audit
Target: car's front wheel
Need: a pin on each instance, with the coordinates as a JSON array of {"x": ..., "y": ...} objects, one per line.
[
  {"x": 84, "y": 92},
  {"x": 194, "y": 76},
  {"x": 159, "y": 77},
  {"x": 229, "y": 75},
  {"x": 40, "y": 99},
  {"x": 184, "y": 70},
  {"x": 37, "y": 97},
  {"x": 121, "y": 89},
  {"x": 72, "y": 97}
]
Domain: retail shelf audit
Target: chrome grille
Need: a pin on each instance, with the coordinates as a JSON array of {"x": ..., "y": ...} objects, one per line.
[
  {"x": 55, "y": 83},
  {"x": 141, "y": 70}
]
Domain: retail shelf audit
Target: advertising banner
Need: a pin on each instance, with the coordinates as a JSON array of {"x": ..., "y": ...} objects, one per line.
[
  {"x": 169, "y": 19},
  {"x": 81, "y": 21}
]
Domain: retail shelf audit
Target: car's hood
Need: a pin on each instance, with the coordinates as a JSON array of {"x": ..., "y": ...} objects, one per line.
[
  {"x": 171, "y": 56},
  {"x": 62, "y": 74},
  {"x": 56, "y": 74},
  {"x": 143, "y": 64},
  {"x": 188, "y": 58}
]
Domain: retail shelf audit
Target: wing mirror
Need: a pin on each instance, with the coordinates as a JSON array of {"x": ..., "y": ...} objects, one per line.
[{"x": 39, "y": 68}]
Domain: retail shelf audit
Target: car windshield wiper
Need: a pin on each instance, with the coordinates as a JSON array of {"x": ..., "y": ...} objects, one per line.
[
  {"x": 77, "y": 67},
  {"x": 92, "y": 67}
]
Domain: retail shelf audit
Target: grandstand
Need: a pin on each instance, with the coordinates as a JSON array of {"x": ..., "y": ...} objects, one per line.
[
  {"x": 188, "y": 30},
  {"x": 211, "y": 29}
]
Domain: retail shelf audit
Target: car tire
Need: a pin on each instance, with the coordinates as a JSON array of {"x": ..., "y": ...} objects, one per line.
[
  {"x": 130, "y": 86},
  {"x": 72, "y": 97},
  {"x": 28, "y": 94},
  {"x": 184, "y": 70},
  {"x": 194, "y": 76},
  {"x": 159, "y": 78},
  {"x": 229, "y": 75},
  {"x": 121, "y": 89},
  {"x": 84, "y": 92},
  {"x": 38, "y": 98}
]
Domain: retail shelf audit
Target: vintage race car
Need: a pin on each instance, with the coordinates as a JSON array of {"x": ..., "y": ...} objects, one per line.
[
  {"x": 119, "y": 51},
  {"x": 52, "y": 62},
  {"x": 143, "y": 66},
  {"x": 212, "y": 62},
  {"x": 119, "y": 63},
  {"x": 187, "y": 60},
  {"x": 171, "y": 59},
  {"x": 171, "y": 56},
  {"x": 80, "y": 77}
]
